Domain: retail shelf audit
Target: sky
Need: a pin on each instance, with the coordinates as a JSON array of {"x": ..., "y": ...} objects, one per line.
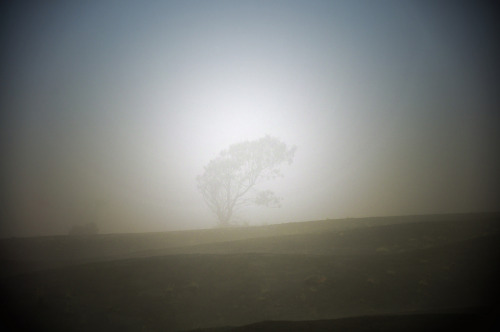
[{"x": 110, "y": 109}]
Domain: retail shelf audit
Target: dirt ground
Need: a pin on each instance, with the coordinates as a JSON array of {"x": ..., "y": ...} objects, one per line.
[{"x": 289, "y": 275}]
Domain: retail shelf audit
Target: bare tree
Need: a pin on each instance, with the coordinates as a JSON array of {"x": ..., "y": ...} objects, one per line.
[{"x": 229, "y": 180}]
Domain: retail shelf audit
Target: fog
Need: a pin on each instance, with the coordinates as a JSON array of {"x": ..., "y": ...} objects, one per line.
[{"x": 111, "y": 109}]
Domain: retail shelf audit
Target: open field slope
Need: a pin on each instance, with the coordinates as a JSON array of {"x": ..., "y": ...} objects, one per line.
[
  {"x": 289, "y": 276},
  {"x": 467, "y": 321},
  {"x": 317, "y": 237}
]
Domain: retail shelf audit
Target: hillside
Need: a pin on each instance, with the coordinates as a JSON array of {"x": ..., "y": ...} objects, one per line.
[
  {"x": 292, "y": 272},
  {"x": 330, "y": 236}
]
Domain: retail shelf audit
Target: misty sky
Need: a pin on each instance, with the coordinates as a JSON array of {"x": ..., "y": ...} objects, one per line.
[{"x": 110, "y": 109}]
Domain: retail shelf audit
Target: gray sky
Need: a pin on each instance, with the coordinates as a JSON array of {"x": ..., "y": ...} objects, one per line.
[{"x": 111, "y": 108}]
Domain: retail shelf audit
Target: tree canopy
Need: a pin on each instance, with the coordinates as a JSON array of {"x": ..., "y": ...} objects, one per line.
[{"x": 229, "y": 180}]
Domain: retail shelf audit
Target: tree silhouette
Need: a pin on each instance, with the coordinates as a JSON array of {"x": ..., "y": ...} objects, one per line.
[{"x": 228, "y": 180}]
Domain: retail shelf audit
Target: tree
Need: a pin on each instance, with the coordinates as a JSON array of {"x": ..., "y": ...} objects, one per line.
[{"x": 228, "y": 180}]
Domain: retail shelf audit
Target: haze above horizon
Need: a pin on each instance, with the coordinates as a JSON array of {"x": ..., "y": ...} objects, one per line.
[{"x": 111, "y": 110}]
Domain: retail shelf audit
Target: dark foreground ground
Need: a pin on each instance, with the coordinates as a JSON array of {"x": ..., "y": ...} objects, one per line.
[{"x": 424, "y": 273}]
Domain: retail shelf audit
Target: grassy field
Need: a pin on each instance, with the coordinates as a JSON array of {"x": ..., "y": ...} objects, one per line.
[{"x": 375, "y": 274}]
